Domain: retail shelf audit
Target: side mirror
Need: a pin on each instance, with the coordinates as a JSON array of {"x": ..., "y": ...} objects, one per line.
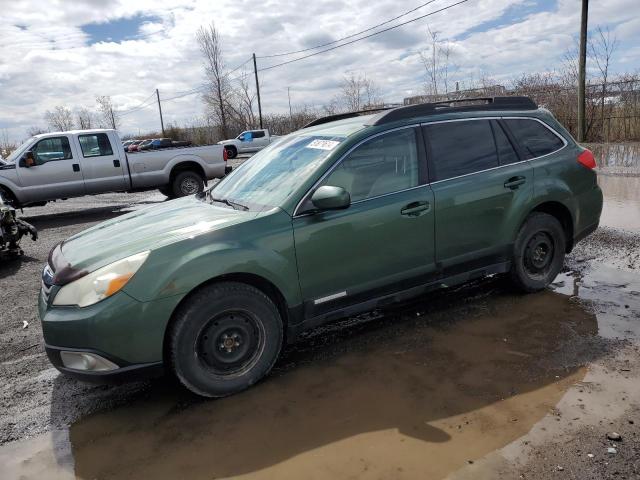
[{"x": 331, "y": 198}]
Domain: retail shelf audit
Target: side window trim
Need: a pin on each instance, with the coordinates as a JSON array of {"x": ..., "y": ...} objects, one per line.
[{"x": 421, "y": 167}]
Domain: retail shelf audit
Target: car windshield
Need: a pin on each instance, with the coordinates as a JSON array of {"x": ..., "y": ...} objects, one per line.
[
  {"x": 17, "y": 153},
  {"x": 275, "y": 172}
]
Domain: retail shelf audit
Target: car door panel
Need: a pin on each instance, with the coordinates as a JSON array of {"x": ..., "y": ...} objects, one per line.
[
  {"x": 371, "y": 247},
  {"x": 56, "y": 173},
  {"x": 102, "y": 166},
  {"x": 478, "y": 208},
  {"x": 383, "y": 242}
]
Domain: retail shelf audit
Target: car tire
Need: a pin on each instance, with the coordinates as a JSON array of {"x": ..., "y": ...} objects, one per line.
[
  {"x": 225, "y": 338},
  {"x": 187, "y": 183},
  {"x": 539, "y": 252},
  {"x": 232, "y": 152}
]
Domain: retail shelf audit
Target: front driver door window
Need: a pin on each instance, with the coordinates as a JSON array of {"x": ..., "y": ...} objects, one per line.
[{"x": 376, "y": 245}]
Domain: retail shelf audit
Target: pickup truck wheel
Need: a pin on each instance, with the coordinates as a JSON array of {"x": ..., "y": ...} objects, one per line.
[
  {"x": 538, "y": 252},
  {"x": 224, "y": 339},
  {"x": 232, "y": 152},
  {"x": 186, "y": 183}
]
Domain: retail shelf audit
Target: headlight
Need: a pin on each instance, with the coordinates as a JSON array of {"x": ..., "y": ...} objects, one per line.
[{"x": 100, "y": 284}]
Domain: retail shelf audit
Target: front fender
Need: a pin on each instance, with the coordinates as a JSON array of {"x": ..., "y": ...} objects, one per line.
[
  {"x": 8, "y": 184},
  {"x": 262, "y": 246}
]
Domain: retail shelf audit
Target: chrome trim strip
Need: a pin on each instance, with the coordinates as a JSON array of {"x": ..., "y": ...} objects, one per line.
[
  {"x": 337, "y": 162},
  {"x": 328, "y": 298}
]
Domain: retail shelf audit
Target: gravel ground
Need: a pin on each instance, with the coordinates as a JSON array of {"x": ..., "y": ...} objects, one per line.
[{"x": 500, "y": 397}]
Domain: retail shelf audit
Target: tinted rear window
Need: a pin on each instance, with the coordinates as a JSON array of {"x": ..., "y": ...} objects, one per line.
[
  {"x": 460, "y": 148},
  {"x": 534, "y": 138}
]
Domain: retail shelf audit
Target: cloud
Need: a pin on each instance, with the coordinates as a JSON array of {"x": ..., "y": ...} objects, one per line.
[{"x": 48, "y": 59}]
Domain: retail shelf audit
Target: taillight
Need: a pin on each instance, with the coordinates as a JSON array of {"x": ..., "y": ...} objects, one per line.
[
  {"x": 587, "y": 159},
  {"x": 225, "y": 155}
]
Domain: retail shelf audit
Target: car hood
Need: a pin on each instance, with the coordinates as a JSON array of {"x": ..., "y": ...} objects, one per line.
[
  {"x": 147, "y": 229},
  {"x": 228, "y": 142}
]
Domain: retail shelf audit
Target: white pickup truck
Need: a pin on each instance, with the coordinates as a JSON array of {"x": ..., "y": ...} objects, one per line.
[
  {"x": 248, "y": 141},
  {"x": 60, "y": 165}
]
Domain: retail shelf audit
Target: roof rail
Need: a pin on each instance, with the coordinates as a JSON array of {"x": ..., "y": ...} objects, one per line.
[
  {"x": 342, "y": 116},
  {"x": 458, "y": 105}
]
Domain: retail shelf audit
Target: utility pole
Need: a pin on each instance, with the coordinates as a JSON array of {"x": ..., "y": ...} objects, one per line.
[
  {"x": 290, "y": 114},
  {"x": 113, "y": 120},
  {"x": 255, "y": 71},
  {"x": 582, "y": 65},
  {"x": 160, "y": 110}
]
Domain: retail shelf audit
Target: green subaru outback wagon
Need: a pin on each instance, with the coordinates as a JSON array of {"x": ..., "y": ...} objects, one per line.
[{"x": 350, "y": 213}]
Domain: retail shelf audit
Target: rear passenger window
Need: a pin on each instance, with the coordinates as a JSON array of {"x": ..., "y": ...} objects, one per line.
[
  {"x": 534, "y": 138},
  {"x": 258, "y": 134},
  {"x": 506, "y": 153},
  {"x": 460, "y": 148},
  {"x": 385, "y": 164},
  {"x": 95, "y": 145}
]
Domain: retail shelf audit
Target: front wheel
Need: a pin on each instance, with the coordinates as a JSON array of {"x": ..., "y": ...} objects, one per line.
[
  {"x": 224, "y": 339},
  {"x": 187, "y": 183},
  {"x": 538, "y": 252}
]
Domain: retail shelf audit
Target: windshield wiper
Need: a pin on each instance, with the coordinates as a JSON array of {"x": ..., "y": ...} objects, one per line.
[{"x": 232, "y": 204}]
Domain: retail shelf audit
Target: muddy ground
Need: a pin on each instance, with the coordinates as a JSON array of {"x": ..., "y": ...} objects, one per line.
[{"x": 472, "y": 382}]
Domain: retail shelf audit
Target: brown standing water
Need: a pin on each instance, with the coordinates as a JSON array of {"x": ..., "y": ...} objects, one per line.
[{"x": 406, "y": 397}]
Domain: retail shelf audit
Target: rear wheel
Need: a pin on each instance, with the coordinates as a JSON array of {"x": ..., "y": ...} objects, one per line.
[
  {"x": 232, "y": 152},
  {"x": 225, "y": 338},
  {"x": 538, "y": 252},
  {"x": 186, "y": 183}
]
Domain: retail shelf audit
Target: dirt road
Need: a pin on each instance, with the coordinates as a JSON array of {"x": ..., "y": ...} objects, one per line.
[{"x": 473, "y": 382}]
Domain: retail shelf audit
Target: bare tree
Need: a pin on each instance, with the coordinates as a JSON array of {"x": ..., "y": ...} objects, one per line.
[
  {"x": 217, "y": 97},
  {"x": 6, "y": 146},
  {"x": 357, "y": 93},
  {"x": 602, "y": 48},
  {"x": 437, "y": 64},
  {"x": 107, "y": 117},
  {"x": 35, "y": 130},
  {"x": 60, "y": 118},
  {"x": 240, "y": 104},
  {"x": 85, "y": 118}
]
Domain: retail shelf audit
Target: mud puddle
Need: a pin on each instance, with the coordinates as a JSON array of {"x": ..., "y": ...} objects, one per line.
[{"x": 415, "y": 393}]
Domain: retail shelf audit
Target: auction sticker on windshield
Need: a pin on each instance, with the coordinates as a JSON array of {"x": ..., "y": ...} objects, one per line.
[{"x": 323, "y": 144}]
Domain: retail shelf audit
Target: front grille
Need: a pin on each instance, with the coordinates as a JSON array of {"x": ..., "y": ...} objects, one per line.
[{"x": 47, "y": 283}]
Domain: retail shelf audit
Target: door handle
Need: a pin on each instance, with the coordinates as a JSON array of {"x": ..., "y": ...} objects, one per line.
[
  {"x": 116, "y": 163},
  {"x": 414, "y": 208},
  {"x": 76, "y": 167},
  {"x": 514, "y": 182}
]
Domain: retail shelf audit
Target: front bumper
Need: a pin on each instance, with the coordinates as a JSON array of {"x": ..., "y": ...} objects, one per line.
[
  {"x": 120, "y": 329},
  {"x": 125, "y": 372}
]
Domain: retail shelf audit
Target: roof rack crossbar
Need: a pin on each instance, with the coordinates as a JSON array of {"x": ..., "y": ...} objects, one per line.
[
  {"x": 424, "y": 109},
  {"x": 342, "y": 116}
]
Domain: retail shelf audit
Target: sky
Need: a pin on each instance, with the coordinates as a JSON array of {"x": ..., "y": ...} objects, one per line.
[{"x": 68, "y": 52}]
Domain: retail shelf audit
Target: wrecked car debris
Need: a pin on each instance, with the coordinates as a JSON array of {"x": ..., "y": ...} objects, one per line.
[{"x": 12, "y": 229}]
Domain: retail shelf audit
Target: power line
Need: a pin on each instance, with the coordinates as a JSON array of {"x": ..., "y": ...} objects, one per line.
[
  {"x": 365, "y": 37},
  {"x": 137, "y": 107},
  {"x": 348, "y": 36}
]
